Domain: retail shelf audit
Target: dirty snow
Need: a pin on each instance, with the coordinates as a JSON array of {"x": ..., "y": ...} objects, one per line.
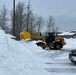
[{"x": 25, "y": 58}]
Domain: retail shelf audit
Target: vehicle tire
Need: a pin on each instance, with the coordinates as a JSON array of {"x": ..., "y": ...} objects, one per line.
[{"x": 57, "y": 45}]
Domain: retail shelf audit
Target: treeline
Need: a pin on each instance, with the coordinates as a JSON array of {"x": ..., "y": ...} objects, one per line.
[{"x": 25, "y": 20}]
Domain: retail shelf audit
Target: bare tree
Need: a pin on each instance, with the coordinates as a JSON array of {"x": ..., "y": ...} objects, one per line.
[
  {"x": 51, "y": 27},
  {"x": 32, "y": 23},
  {"x": 40, "y": 23},
  {"x": 28, "y": 16},
  {"x": 3, "y": 18},
  {"x": 56, "y": 29},
  {"x": 19, "y": 19},
  {"x": 50, "y": 24},
  {"x": 25, "y": 20}
]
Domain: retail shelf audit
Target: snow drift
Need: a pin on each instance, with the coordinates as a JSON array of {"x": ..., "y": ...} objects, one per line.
[{"x": 16, "y": 59}]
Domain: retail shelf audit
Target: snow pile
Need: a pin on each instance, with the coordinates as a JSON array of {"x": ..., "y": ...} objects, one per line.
[
  {"x": 37, "y": 50},
  {"x": 16, "y": 59},
  {"x": 70, "y": 44}
]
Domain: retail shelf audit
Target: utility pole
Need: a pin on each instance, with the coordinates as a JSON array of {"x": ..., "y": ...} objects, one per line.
[{"x": 13, "y": 17}]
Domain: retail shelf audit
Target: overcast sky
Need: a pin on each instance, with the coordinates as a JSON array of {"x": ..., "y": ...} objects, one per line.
[{"x": 63, "y": 11}]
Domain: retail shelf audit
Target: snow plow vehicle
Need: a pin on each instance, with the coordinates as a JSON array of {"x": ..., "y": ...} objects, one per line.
[
  {"x": 52, "y": 41},
  {"x": 49, "y": 39}
]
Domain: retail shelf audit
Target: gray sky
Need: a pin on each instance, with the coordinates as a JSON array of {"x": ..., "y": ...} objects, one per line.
[{"x": 63, "y": 11}]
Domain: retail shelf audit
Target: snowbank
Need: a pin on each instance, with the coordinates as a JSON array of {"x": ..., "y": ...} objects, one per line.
[
  {"x": 16, "y": 59},
  {"x": 70, "y": 44}
]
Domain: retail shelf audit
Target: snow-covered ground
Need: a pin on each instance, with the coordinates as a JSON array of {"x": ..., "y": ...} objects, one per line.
[
  {"x": 17, "y": 59},
  {"x": 25, "y": 58},
  {"x": 57, "y": 62}
]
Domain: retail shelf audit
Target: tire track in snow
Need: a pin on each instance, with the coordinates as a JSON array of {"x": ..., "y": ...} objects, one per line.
[{"x": 62, "y": 70}]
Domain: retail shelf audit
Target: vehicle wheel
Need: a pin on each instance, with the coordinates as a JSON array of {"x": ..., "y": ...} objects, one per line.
[{"x": 57, "y": 46}]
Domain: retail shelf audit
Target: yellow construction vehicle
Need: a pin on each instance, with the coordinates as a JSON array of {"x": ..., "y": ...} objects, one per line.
[
  {"x": 53, "y": 41},
  {"x": 50, "y": 39}
]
